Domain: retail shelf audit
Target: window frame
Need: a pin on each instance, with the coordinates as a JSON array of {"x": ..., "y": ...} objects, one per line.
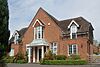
[
  {"x": 38, "y": 32},
  {"x": 53, "y": 47},
  {"x": 72, "y": 49},
  {"x": 16, "y": 37},
  {"x": 73, "y": 30},
  {"x": 11, "y": 53}
]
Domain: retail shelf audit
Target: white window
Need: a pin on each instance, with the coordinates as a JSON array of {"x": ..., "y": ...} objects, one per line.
[
  {"x": 16, "y": 37},
  {"x": 11, "y": 52},
  {"x": 73, "y": 31},
  {"x": 53, "y": 48},
  {"x": 72, "y": 49},
  {"x": 38, "y": 31}
]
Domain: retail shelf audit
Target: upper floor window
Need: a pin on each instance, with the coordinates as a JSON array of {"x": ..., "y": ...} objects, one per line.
[
  {"x": 16, "y": 37},
  {"x": 72, "y": 49},
  {"x": 38, "y": 31},
  {"x": 73, "y": 31},
  {"x": 11, "y": 52},
  {"x": 53, "y": 48}
]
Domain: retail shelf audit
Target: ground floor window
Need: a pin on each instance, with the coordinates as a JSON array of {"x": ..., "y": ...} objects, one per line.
[
  {"x": 53, "y": 48},
  {"x": 72, "y": 49},
  {"x": 11, "y": 52}
]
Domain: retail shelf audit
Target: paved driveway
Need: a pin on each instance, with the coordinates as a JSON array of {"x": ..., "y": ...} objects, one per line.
[{"x": 38, "y": 65}]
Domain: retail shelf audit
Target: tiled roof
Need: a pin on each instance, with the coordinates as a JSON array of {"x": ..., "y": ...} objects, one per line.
[
  {"x": 63, "y": 24},
  {"x": 83, "y": 24},
  {"x": 21, "y": 33}
]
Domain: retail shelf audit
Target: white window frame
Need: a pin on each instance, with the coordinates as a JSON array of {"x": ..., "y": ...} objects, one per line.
[
  {"x": 37, "y": 20},
  {"x": 73, "y": 29},
  {"x": 11, "y": 52},
  {"x": 73, "y": 49},
  {"x": 53, "y": 46},
  {"x": 38, "y": 29},
  {"x": 16, "y": 37},
  {"x": 73, "y": 21}
]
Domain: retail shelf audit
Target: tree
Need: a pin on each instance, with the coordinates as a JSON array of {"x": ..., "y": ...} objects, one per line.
[{"x": 4, "y": 31}]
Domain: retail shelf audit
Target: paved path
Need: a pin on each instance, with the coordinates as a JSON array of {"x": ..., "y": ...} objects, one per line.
[
  {"x": 96, "y": 59},
  {"x": 38, "y": 65}
]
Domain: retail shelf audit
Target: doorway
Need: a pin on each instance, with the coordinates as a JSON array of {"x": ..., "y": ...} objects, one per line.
[{"x": 40, "y": 53}]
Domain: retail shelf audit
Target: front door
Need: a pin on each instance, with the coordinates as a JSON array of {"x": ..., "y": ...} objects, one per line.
[{"x": 40, "y": 52}]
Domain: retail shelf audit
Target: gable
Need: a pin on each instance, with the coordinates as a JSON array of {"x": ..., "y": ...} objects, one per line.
[
  {"x": 41, "y": 18},
  {"x": 37, "y": 23},
  {"x": 15, "y": 33},
  {"x": 73, "y": 22}
]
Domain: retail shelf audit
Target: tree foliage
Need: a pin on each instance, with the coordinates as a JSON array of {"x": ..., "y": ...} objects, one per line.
[{"x": 4, "y": 22}]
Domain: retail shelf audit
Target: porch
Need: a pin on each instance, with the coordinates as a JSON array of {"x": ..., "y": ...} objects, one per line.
[{"x": 36, "y": 50}]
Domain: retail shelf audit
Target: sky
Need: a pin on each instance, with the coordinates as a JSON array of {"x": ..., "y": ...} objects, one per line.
[{"x": 21, "y": 12}]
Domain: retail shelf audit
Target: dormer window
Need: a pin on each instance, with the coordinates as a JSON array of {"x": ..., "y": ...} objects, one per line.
[
  {"x": 38, "y": 29},
  {"x": 16, "y": 37},
  {"x": 73, "y": 29},
  {"x": 38, "y": 32}
]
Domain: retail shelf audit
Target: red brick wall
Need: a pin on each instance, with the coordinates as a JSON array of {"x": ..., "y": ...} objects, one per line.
[{"x": 81, "y": 44}]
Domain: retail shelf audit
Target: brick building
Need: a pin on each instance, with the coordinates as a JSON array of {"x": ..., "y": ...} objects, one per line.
[{"x": 65, "y": 37}]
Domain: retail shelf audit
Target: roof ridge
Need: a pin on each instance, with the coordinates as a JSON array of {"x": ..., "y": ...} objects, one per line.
[{"x": 71, "y": 18}]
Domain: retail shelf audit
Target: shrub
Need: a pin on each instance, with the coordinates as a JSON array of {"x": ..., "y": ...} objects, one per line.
[
  {"x": 8, "y": 59},
  {"x": 48, "y": 55},
  {"x": 20, "y": 56},
  {"x": 21, "y": 61},
  {"x": 64, "y": 62},
  {"x": 60, "y": 57},
  {"x": 74, "y": 57}
]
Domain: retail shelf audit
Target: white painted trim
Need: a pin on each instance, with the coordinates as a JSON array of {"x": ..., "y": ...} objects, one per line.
[
  {"x": 29, "y": 56},
  {"x": 41, "y": 32},
  {"x": 76, "y": 49},
  {"x": 72, "y": 49},
  {"x": 33, "y": 54},
  {"x": 37, "y": 30},
  {"x": 42, "y": 52},
  {"x": 29, "y": 53},
  {"x": 34, "y": 32},
  {"x": 37, "y": 20},
  {"x": 53, "y": 47},
  {"x": 37, "y": 54},
  {"x": 16, "y": 36},
  {"x": 15, "y": 32},
  {"x": 11, "y": 53},
  {"x": 73, "y": 21},
  {"x": 71, "y": 31},
  {"x": 27, "y": 45},
  {"x": 70, "y": 35}
]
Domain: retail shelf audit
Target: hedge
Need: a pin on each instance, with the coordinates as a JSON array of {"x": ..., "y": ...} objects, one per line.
[
  {"x": 60, "y": 57},
  {"x": 63, "y": 62}
]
